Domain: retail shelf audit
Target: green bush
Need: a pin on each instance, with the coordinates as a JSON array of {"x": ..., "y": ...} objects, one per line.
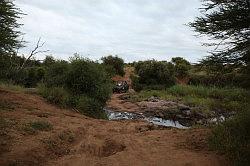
[
  {"x": 114, "y": 65},
  {"x": 222, "y": 80},
  {"x": 90, "y": 107},
  {"x": 181, "y": 67},
  {"x": 153, "y": 74},
  {"x": 55, "y": 95},
  {"x": 233, "y": 138},
  {"x": 10, "y": 70},
  {"x": 88, "y": 78},
  {"x": 82, "y": 84},
  {"x": 56, "y": 74}
]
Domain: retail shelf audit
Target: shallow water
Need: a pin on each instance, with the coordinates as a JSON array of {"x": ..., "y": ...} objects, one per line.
[{"x": 113, "y": 115}]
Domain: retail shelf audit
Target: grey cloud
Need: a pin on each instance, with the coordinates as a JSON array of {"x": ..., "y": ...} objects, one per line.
[{"x": 133, "y": 29}]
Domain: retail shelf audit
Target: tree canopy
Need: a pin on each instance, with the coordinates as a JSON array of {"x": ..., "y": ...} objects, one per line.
[
  {"x": 9, "y": 14},
  {"x": 114, "y": 64},
  {"x": 229, "y": 22}
]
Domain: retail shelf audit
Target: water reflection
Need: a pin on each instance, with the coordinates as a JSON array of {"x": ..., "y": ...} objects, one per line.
[{"x": 113, "y": 115}]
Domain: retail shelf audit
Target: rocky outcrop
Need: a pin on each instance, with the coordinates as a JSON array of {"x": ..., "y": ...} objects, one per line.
[{"x": 176, "y": 111}]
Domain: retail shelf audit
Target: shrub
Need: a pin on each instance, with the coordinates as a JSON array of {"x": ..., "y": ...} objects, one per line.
[
  {"x": 181, "y": 67},
  {"x": 56, "y": 74},
  {"x": 153, "y": 74},
  {"x": 82, "y": 84},
  {"x": 88, "y": 78},
  {"x": 233, "y": 138},
  {"x": 223, "y": 80},
  {"x": 90, "y": 107},
  {"x": 114, "y": 65},
  {"x": 55, "y": 95}
]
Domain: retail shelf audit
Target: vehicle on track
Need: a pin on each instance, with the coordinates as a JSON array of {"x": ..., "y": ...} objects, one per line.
[{"x": 121, "y": 87}]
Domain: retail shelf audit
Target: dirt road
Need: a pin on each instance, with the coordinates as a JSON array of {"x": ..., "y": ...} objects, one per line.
[{"x": 78, "y": 140}]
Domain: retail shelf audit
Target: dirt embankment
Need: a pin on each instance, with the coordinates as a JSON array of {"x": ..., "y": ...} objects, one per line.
[{"x": 73, "y": 139}]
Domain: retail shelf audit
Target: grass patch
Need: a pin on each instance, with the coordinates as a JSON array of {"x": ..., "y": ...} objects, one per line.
[
  {"x": 206, "y": 98},
  {"x": 34, "y": 127},
  {"x": 10, "y": 86}
]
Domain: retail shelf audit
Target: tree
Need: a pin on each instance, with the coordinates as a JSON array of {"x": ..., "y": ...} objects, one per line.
[
  {"x": 228, "y": 22},
  {"x": 153, "y": 74},
  {"x": 181, "y": 67},
  {"x": 49, "y": 60},
  {"x": 114, "y": 64},
  {"x": 9, "y": 33}
]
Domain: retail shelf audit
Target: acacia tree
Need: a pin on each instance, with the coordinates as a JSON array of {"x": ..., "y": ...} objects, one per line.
[
  {"x": 9, "y": 33},
  {"x": 228, "y": 23}
]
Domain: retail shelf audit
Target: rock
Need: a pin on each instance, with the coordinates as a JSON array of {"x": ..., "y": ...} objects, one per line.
[
  {"x": 161, "y": 115},
  {"x": 183, "y": 107},
  {"x": 125, "y": 97},
  {"x": 153, "y": 99},
  {"x": 221, "y": 118},
  {"x": 187, "y": 112},
  {"x": 213, "y": 121}
]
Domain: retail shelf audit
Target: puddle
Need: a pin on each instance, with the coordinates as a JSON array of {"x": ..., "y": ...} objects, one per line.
[{"x": 113, "y": 115}]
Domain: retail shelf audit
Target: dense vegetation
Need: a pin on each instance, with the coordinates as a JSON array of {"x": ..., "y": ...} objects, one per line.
[
  {"x": 153, "y": 74},
  {"x": 228, "y": 22},
  {"x": 220, "y": 82},
  {"x": 113, "y": 65},
  {"x": 233, "y": 138},
  {"x": 80, "y": 83}
]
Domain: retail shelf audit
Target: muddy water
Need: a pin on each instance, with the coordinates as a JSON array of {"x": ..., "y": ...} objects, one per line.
[{"x": 114, "y": 115}]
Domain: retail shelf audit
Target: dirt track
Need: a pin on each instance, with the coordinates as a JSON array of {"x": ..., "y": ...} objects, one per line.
[{"x": 78, "y": 140}]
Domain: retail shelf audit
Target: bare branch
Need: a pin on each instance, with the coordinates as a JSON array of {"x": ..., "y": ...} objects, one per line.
[{"x": 35, "y": 51}]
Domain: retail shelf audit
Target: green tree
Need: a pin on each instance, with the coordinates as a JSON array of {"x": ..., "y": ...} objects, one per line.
[
  {"x": 49, "y": 60},
  {"x": 9, "y": 33},
  {"x": 114, "y": 64},
  {"x": 86, "y": 77},
  {"x": 181, "y": 67},
  {"x": 228, "y": 23},
  {"x": 153, "y": 74}
]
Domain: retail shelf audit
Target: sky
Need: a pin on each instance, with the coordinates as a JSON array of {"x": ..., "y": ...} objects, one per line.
[{"x": 132, "y": 29}]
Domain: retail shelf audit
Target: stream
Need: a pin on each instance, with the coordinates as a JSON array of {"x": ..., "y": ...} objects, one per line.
[{"x": 115, "y": 115}]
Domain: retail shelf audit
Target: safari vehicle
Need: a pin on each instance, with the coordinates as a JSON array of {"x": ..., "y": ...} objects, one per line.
[{"x": 121, "y": 87}]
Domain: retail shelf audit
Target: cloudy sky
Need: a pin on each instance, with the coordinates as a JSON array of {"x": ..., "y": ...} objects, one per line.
[{"x": 132, "y": 29}]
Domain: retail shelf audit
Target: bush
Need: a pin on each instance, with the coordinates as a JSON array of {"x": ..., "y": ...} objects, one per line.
[
  {"x": 233, "y": 138},
  {"x": 10, "y": 70},
  {"x": 115, "y": 65},
  {"x": 153, "y": 75},
  {"x": 82, "y": 84},
  {"x": 90, "y": 107},
  {"x": 88, "y": 78},
  {"x": 223, "y": 80},
  {"x": 55, "y": 95},
  {"x": 181, "y": 67},
  {"x": 56, "y": 74}
]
